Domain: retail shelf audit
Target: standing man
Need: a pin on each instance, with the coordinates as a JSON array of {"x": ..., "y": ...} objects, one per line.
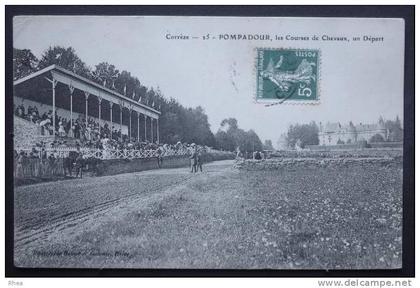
[
  {"x": 159, "y": 157},
  {"x": 79, "y": 165},
  {"x": 199, "y": 161},
  {"x": 193, "y": 158}
]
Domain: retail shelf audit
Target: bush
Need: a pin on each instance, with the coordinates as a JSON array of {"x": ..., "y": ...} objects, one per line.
[{"x": 377, "y": 138}]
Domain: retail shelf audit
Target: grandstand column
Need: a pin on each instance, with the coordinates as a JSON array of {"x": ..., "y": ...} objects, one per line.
[
  {"x": 111, "y": 104},
  {"x": 129, "y": 125},
  {"x": 53, "y": 83},
  {"x": 138, "y": 126},
  {"x": 145, "y": 127},
  {"x": 100, "y": 110},
  {"x": 121, "y": 107},
  {"x": 86, "y": 106},
  {"x": 157, "y": 129},
  {"x": 151, "y": 129},
  {"x": 71, "y": 88}
]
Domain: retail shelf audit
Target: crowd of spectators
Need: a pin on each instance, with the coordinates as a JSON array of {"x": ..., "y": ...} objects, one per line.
[
  {"x": 84, "y": 135},
  {"x": 90, "y": 134},
  {"x": 32, "y": 114},
  {"x": 43, "y": 162},
  {"x": 81, "y": 130}
]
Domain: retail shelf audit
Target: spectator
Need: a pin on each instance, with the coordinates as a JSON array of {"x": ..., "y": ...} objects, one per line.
[
  {"x": 199, "y": 161},
  {"x": 257, "y": 155},
  {"x": 79, "y": 165},
  {"x": 20, "y": 162},
  {"x": 61, "y": 131},
  {"x": 96, "y": 136},
  {"x": 193, "y": 158}
]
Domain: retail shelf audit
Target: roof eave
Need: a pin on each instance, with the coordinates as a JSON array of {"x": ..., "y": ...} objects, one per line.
[
  {"x": 33, "y": 75},
  {"x": 72, "y": 74}
]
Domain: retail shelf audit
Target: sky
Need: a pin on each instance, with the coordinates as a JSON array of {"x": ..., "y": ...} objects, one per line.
[{"x": 359, "y": 81}]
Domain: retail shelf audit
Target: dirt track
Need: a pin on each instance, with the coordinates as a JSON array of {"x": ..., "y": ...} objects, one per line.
[{"x": 221, "y": 218}]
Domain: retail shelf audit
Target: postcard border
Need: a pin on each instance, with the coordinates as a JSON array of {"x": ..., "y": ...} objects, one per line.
[{"x": 405, "y": 12}]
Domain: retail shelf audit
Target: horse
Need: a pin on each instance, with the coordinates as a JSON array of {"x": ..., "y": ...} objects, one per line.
[{"x": 68, "y": 162}]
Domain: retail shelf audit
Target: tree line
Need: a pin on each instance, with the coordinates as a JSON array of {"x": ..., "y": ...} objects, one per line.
[
  {"x": 177, "y": 123},
  {"x": 230, "y": 137}
]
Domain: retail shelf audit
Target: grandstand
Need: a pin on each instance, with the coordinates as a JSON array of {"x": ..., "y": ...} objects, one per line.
[
  {"x": 90, "y": 119},
  {"x": 80, "y": 105}
]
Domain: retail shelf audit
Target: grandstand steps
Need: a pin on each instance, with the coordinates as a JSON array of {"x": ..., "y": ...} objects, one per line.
[{"x": 27, "y": 134}]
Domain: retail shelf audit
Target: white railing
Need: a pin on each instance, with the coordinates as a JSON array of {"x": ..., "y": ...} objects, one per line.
[{"x": 62, "y": 152}]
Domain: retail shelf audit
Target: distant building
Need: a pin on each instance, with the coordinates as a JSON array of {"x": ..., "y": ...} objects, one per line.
[{"x": 336, "y": 133}]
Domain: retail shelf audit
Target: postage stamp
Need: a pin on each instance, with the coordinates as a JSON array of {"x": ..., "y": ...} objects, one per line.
[{"x": 288, "y": 75}]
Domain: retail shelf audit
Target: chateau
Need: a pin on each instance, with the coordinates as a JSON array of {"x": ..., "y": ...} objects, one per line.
[{"x": 336, "y": 133}]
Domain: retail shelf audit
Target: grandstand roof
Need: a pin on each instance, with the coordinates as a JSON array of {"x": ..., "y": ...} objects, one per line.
[{"x": 69, "y": 78}]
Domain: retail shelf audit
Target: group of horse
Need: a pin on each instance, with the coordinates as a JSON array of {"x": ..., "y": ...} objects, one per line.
[{"x": 75, "y": 162}]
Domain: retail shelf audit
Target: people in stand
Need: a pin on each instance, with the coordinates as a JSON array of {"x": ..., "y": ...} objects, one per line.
[
  {"x": 61, "y": 131},
  {"x": 91, "y": 134},
  {"x": 76, "y": 130},
  {"x": 45, "y": 124}
]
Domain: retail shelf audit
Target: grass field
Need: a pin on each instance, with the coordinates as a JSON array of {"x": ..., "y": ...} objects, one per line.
[{"x": 348, "y": 218}]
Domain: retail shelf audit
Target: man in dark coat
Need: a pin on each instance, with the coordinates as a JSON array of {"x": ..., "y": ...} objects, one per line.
[
  {"x": 199, "y": 161},
  {"x": 79, "y": 165},
  {"x": 193, "y": 159}
]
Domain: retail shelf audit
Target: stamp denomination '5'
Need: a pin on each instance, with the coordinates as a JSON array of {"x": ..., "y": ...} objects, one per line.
[{"x": 288, "y": 75}]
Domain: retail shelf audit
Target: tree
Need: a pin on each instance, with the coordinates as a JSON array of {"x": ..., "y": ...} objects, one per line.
[
  {"x": 229, "y": 124},
  {"x": 24, "y": 63},
  {"x": 141, "y": 94},
  {"x": 252, "y": 142},
  {"x": 395, "y": 130},
  {"x": 201, "y": 127},
  {"x": 306, "y": 133},
  {"x": 224, "y": 141},
  {"x": 268, "y": 145},
  {"x": 150, "y": 96},
  {"x": 377, "y": 138},
  {"x": 178, "y": 123},
  {"x": 105, "y": 74},
  {"x": 126, "y": 84},
  {"x": 230, "y": 136},
  {"x": 65, "y": 58}
]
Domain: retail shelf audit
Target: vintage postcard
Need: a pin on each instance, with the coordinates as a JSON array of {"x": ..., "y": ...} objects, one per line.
[{"x": 208, "y": 142}]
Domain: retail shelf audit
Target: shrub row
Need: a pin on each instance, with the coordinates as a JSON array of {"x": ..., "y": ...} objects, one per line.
[{"x": 274, "y": 164}]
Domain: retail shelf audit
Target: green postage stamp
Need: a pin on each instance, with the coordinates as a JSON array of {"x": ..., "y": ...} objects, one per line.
[{"x": 288, "y": 75}]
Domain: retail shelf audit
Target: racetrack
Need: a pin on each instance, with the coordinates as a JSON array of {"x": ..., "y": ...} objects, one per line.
[{"x": 221, "y": 218}]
